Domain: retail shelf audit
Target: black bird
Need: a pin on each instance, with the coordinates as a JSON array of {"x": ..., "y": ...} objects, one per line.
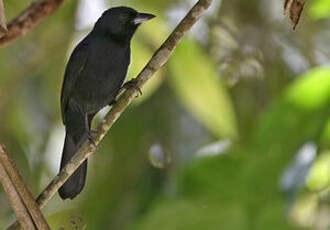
[{"x": 93, "y": 77}]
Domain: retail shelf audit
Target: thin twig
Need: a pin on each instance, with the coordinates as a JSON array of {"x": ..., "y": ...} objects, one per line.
[
  {"x": 28, "y": 19},
  {"x": 15, "y": 200},
  {"x": 157, "y": 61},
  {"x": 23, "y": 191}
]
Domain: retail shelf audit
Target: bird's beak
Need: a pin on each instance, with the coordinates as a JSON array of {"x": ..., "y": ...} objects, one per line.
[{"x": 142, "y": 17}]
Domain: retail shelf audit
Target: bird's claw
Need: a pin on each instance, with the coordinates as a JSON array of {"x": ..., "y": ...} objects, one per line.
[
  {"x": 113, "y": 102},
  {"x": 90, "y": 137},
  {"x": 131, "y": 84}
]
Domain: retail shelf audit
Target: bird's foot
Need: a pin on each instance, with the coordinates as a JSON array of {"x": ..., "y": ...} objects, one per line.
[
  {"x": 90, "y": 135},
  {"x": 113, "y": 102},
  {"x": 131, "y": 84}
]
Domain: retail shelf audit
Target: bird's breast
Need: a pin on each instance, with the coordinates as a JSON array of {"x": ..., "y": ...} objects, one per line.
[{"x": 102, "y": 77}]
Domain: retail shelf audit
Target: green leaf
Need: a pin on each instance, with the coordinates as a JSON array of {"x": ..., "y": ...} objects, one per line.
[
  {"x": 193, "y": 215},
  {"x": 311, "y": 90},
  {"x": 325, "y": 139},
  {"x": 196, "y": 82},
  {"x": 66, "y": 219},
  {"x": 319, "y": 176},
  {"x": 301, "y": 112},
  {"x": 320, "y": 9}
]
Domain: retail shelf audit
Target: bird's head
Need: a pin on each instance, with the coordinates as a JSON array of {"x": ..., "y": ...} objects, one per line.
[{"x": 120, "y": 23}]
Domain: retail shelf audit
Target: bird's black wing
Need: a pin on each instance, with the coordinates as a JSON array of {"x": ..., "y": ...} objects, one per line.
[{"x": 74, "y": 68}]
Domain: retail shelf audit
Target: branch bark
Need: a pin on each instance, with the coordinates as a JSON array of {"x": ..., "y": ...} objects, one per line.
[
  {"x": 15, "y": 201},
  {"x": 28, "y": 19},
  {"x": 24, "y": 193},
  {"x": 294, "y": 9},
  {"x": 3, "y": 24},
  {"x": 160, "y": 57}
]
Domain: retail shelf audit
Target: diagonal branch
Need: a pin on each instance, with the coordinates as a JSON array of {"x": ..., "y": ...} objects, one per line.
[
  {"x": 24, "y": 193},
  {"x": 15, "y": 200},
  {"x": 160, "y": 57},
  {"x": 28, "y": 19}
]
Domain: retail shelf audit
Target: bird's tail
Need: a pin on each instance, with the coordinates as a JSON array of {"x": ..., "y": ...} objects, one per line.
[{"x": 76, "y": 182}]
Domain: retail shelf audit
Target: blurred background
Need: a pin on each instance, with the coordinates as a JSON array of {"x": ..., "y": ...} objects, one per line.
[{"x": 233, "y": 133}]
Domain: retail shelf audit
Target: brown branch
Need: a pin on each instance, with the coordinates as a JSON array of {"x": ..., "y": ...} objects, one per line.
[
  {"x": 28, "y": 19},
  {"x": 15, "y": 200},
  {"x": 3, "y": 24},
  {"x": 160, "y": 57},
  {"x": 23, "y": 191},
  {"x": 294, "y": 8}
]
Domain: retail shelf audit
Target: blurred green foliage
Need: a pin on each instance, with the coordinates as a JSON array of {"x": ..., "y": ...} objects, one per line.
[
  {"x": 241, "y": 76},
  {"x": 320, "y": 9},
  {"x": 201, "y": 90}
]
